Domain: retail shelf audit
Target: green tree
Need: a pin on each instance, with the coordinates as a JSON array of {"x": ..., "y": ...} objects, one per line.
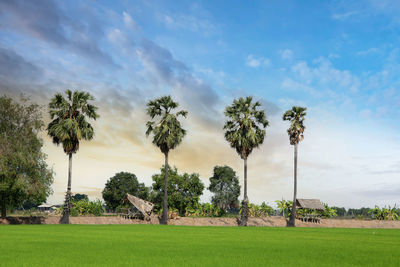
[
  {"x": 296, "y": 116},
  {"x": 245, "y": 130},
  {"x": 120, "y": 184},
  {"x": 78, "y": 197},
  {"x": 68, "y": 127},
  {"x": 184, "y": 190},
  {"x": 225, "y": 185},
  {"x": 24, "y": 174},
  {"x": 167, "y": 134}
]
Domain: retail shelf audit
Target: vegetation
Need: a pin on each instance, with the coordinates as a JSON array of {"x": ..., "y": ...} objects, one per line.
[
  {"x": 78, "y": 197},
  {"x": 167, "y": 134},
  {"x": 68, "y": 127},
  {"x": 225, "y": 185},
  {"x": 204, "y": 210},
  {"x": 85, "y": 207},
  {"x": 262, "y": 210},
  {"x": 155, "y": 245},
  {"x": 245, "y": 130},
  {"x": 120, "y": 184},
  {"x": 284, "y": 207},
  {"x": 24, "y": 173},
  {"x": 184, "y": 190},
  {"x": 390, "y": 213},
  {"x": 296, "y": 116}
]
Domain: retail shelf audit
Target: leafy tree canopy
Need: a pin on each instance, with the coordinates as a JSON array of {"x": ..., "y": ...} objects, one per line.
[
  {"x": 245, "y": 127},
  {"x": 24, "y": 174},
  {"x": 120, "y": 184},
  {"x": 225, "y": 185},
  {"x": 168, "y": 132},
  {"x": 78, "y": 197},
  {"x": 296, "y": 116},
  {"x": 184, "y": 190}
]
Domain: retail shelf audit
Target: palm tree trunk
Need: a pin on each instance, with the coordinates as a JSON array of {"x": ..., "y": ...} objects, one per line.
[
  {"x": 164, "y": 218},
  {"x": 67, "y": 204},
  {"x": 245, "y": 203},
  {"x": 292, "y": 221},
  {"x": 3, "y": 206}
]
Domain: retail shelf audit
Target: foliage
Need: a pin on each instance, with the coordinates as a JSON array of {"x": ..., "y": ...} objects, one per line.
[
  {"x": 121, "y": 183},
  {"x": 69, "y": 119},
  {"x": 78, "y": 197},
  {"x": 225, "y": 185},
  {"x": 204, "y": 210},
  {"x": 384, "y": 213},
  {"x": 167, "y": 132},
  {"x": 284, "y": 207},
  {"x": 184, "y": 190},
  {"x": 296, "y": 116},
  {"x": 85, "y": 207},
  {"x": 262, "y": 210},
  {"x": 329, "y": 212},
  {"x": 24, "y": 173},
  {"x": 244, "y": 129}
]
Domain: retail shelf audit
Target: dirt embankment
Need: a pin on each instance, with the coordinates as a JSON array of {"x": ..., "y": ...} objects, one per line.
[{"x": 274, "y": 221}]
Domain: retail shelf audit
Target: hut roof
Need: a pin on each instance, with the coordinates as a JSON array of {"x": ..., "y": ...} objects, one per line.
[
  {"x": 143, "y": 206},
  {"x": 314, "y": 204},
  {"x": 45, "y": 206}
]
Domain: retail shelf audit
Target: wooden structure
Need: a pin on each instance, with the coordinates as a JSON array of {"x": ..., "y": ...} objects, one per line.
[
  {"x": 140, "y": 208},
  {"x": 310, "y": 205}
]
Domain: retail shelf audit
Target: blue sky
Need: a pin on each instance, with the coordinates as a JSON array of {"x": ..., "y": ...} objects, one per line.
[{"x": 340, "y": 59}]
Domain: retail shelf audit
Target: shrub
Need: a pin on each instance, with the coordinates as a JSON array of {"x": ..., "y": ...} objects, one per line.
[
  {"x": 84, "y": 207},
  {"x": 385, "y": 213}
]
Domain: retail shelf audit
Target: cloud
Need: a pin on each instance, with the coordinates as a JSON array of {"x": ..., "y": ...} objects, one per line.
[
  {"x": 47, "y": 22},
  {"x": 196, "y": 95},
  {"x": 253, "y": 62},
  {"x": 13, "y": 67},
  {"x": 372, "y": 50},
  {"x": 345, "y": 15},
  {"x": 286, "y": 54},
  {"x": 129, "y": 22},
  {"x": 190, "y": 23}
]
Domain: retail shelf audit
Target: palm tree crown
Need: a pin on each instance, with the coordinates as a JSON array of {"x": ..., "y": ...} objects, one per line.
[
  {"x": 69, "y": 125},
  {"x": 245, "y": 125},
  {"x": 168, "y": 132},
  {"x": 296, "y": 116}
]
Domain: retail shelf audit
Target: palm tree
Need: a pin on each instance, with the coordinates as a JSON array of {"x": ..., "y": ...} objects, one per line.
[
  {"x": 167, "y": 134},
  {"x": 245, "y": 130},
  {"x": 68, "y": 126},
  {"x": 296, "y": 116}
]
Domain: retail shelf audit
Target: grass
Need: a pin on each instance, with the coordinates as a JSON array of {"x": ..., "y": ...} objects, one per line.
[{"x": 157, "y": 245}]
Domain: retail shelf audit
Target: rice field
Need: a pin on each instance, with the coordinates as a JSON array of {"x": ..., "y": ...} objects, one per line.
[{"x": 158, "y": 245}]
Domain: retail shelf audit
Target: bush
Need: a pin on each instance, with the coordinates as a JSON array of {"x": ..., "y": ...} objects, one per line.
[
  {"x": 204, "y": 210},
  {"x": 262, "y": 210},
  {"x": 385, "y": 213},
  {"x": 84, "y": 207}
]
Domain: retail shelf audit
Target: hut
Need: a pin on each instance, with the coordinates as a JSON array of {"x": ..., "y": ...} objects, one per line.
[
  {"x": 45, "y": 208},
  {"x": 310, "y": 206},
  {"x": 140, "y": 208}
]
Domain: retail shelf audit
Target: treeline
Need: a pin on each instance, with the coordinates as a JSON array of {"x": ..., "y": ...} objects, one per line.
[{"x": 384, "y": 213}]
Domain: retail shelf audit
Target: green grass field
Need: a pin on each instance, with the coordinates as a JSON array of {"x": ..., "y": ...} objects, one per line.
[{"x": 150, "y": 245}]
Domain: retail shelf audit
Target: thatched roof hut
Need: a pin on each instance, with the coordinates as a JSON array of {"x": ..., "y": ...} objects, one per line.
[
  {"x": 314, "y": 204},
  {"x": 145, "y": 207}
]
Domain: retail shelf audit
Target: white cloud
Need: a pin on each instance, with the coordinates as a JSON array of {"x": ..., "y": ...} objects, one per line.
[
  {"x": 129, "y": 22},
  {"x": 253, "y": 62},
  {"x": 344, "y": 16},
  {"x": 369, "y": 51},
  {"x": 286, "y": 54}
]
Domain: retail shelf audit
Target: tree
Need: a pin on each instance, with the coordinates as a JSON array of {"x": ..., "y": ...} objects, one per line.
[
  {"x": 68, "y": 127},
  {"x": 245, "y": 130},
  {"x": 24, "y": 174},
  {"x": 225, "y": 185},
  {"x": 78, "y": 197},
  {"x": 296, "y": 116},
  {"x": 167, "y": 134},
  {"x": 120, "y": 184},
  {"x": 184, "y": 190}
]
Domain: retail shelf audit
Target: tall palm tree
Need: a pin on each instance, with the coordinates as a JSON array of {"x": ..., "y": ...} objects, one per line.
[
  {"x": 245, "y": 130},
  {"x": 167, "y": 134},
  {"x": 68, "y": 126},
  {"x": 296, "y": 116}
]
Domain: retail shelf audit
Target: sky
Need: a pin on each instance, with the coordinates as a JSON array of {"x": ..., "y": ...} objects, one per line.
[{"x": 340, "y": 59}]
